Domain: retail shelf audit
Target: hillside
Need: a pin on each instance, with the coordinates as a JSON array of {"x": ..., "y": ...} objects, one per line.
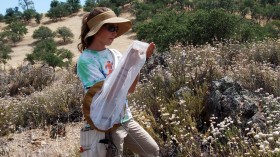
[{"x": 74, "y": 23}]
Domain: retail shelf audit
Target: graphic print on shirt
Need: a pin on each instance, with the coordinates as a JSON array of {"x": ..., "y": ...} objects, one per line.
[{"x": 109, "y": 67}]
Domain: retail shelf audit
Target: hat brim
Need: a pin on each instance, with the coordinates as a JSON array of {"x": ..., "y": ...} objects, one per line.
[{"x": 123, "y": 24}]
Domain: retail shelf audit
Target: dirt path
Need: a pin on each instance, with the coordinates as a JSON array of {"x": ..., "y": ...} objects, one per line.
[{"x": 37, "y": 143}]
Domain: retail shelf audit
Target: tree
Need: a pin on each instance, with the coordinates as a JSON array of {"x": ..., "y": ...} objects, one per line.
[
  {"x": 1, "y": 18},
  {"x": 38, "y": 17},
  {"x": 165, "y": 29},
  {"x": 273, "y": 29},
  {"x": 57, "y": 12},
  {"x": 26, "y": 4},
  {"x": 228, "y": 5},
  {"x": 5, "y": 51},
  {"x": 272, "y": 12},
  {"x": 12, "y": 15},
  {"x": 15, "y": 31},
  {"x": 28, "y": 14},
  {"x": 65, "y": 33},
  {"x": 42, "y": 33},
  {"x": 89, "y": 4},
  {"x": 54, "y": 3},
  {"x": 61, "y": 58},
  {"x": 73, "y": 6},
  {"x": 206, "y": 26},
  {"x": 46, "y": 51}
]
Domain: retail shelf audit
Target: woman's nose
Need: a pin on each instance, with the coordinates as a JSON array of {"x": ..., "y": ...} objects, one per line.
[{"x": 115, "y": 33}]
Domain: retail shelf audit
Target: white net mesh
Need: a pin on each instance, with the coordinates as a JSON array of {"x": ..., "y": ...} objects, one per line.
[{"x": 107, "y": 107}]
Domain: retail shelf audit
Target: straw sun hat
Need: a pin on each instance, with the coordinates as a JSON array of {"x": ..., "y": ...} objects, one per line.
[{"x": 98, "y": 21}]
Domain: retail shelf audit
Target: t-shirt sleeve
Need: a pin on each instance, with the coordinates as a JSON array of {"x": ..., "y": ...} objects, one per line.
[
  {"x": 89, "y": 73},
  {"x": 117, "y": 55}
]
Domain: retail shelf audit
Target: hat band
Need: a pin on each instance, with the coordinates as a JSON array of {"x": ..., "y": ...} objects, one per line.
[{"x": 100, "y": 17}]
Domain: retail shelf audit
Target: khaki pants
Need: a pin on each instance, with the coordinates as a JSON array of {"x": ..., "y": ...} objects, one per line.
[{"x": 132, "y": 136}]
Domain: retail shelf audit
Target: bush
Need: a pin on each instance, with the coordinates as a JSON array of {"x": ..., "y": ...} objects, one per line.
[
  {"x": 28, "y": 14},
  {"x": 15, "y": 31},
  {"x": 227, "y": 5},
  {"x": 12, "y": 15},
  {"x": 46, "y": 51},
  {"x": 1, "y": 17},
  {"x": 42, "y": 33},
  {"x": 25, "y": 80},
  {"x": 59, "y": 102},
  {"x": 209, "y": 26},
  {"x": 38, "y": 18},
  {"x": 65, "y": 33},
  {"x": 248, "y": 31},
  {"x": 57, "y": 12},
  {"x": 73, "y": 6},
  {"x": 89, "y": 4},
  {"x": 273, "y": 29},
  {"x": 198, "y": 28},
  {"x": 5, "y": 51}
]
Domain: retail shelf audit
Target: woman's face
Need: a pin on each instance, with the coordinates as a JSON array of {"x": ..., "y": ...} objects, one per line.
[{"x": 106, "y": 34}]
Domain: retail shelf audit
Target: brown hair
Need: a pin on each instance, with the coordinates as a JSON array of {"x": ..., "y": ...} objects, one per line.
[{"x": 84, "y": 30}]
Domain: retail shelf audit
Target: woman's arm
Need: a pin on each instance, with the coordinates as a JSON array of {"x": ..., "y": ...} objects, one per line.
[
  {"x": 149, "y": 53},
  {"x": 133, "y": 86}
]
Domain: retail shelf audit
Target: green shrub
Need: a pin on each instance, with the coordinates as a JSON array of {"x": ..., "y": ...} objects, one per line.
[
  {"x": 73, "y": 6},
  {"x": 65, "y": 33},
  {"x": 28, "y": 14},
  {"x": 1, "y": 18},
  {"x": 89, "y": 4},
  {"x": 228, "y": 5},
  {"x": 273, "y": 29},
  {"x": 46, "y": 51},
  {"x": 214, "y": 25},
  {"x": 165, "y": 29},
  {"x": 5, "y": 51},
  {"x": 248, "y": 31},
  {"x": 58, "y": 11},
  {"x": 43, "y": 32},
  {"x": 38, "y": 17},
  {"x": 15, "y": 31},
  {"x": 198, "y": 28}
]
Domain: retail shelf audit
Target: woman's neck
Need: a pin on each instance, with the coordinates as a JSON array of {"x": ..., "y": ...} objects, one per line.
[{"x": 96, "y": 46}]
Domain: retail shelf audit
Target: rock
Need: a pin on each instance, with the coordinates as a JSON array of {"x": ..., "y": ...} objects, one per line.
[
  {"x": 227, "y": 98},
  {"x": 182, "y": 91}
]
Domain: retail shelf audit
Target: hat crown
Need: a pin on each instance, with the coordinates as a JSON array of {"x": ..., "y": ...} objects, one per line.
[
  {"x": 99, "y": 18},
  {"x": 95, "y": 23}
]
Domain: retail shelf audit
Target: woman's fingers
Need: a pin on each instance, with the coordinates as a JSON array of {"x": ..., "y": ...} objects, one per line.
[{"x": 150, "y": 50}]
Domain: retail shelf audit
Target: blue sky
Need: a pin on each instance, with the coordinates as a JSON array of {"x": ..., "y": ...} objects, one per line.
[{"x": 41, "y": 6}]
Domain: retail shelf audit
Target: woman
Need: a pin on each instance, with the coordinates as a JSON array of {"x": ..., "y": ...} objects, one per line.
[{"x": 99, "y": 29}]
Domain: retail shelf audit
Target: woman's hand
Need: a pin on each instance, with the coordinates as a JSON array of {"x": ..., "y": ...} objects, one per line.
[{"x": 150, "y": 50}]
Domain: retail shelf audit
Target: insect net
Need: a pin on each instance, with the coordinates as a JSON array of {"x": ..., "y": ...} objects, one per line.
[{"x": 108, "y": 106}]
